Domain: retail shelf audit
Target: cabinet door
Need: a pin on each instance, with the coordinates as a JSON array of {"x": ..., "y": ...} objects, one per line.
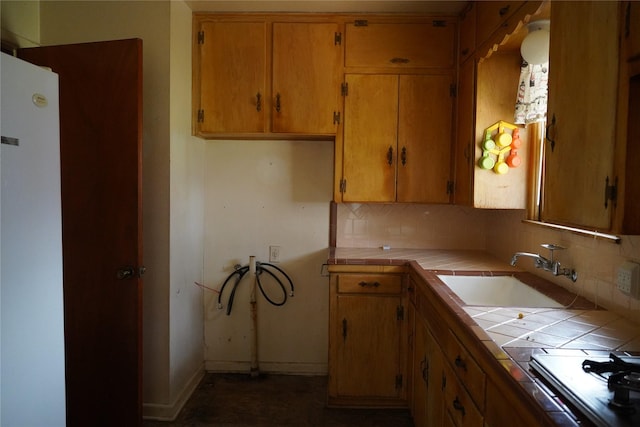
[
  {"x": 396, "y": 45},
  {"x": 435, "y": 381},
  {"x": 232, "y": 77},
  {"x": 368, "y": 351},
  {"x": 467, "y": 32},
  {"x": 420, "y": 375},
  {"x": 424, "y": 138},
  {"x": 306, "y": 77},
  {"x": 464, "y": 147},
  {"x": 492, "y": 14},
  {"x": 370, "y": 138},
  {"x": 581, "y": 113}
]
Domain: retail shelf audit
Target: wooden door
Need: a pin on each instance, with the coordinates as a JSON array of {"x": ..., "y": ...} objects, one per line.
[
  {"x": 581, "y": 118},
  {"x": 306, "y": 77},
  {"x": 465, "y": 136},
  {"x": 369, "y": 347},
  {"x": 435, "y": 382},
  {"x": 420, "y": 375},
  {"x": 401, "y": 45},
  {"x": 232, "y": 77},
  {"x": 424, "y": 138},
  {"x": 370, "y": 138},
  {"x": 100, "y": 149}
]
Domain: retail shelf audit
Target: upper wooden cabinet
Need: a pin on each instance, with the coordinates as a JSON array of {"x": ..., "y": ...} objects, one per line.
[
  {"x": 491, "y": 15},
  {"x": 306, "y": 78},
  {"x": 467, "y": 32},
  {"x": 395, "y": 144},
  {"x": 583, "y": 84},
  {"x": 396, "y": 45},
  {"x": 487, "y": 92},
  {"x": 231, "y": 91},
  {"x": 257, "y": 75},
  {"x": 403, "y": 154}
]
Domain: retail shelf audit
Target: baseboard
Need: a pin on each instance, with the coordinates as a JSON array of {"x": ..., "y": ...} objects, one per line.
[
  {"x": 170, "y": 411},
  {"x": 288, "y": 368}
]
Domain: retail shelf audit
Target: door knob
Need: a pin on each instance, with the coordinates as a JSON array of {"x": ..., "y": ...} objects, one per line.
[{"x": 129, "y": 271}]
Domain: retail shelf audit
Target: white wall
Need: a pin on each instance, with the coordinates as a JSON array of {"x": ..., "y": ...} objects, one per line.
[
  {"x": 262, "y": 193},
  {"x": 20, "y": 22},
  {"x": 186, "y": 219}
]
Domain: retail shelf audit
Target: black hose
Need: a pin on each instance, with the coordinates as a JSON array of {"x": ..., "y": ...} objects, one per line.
[
  {"x": 281, "y": 271},
  {"x": 240, "y": 273},
  {"x": 260, "y": 268},
  {"x": 284, "y": 291}
]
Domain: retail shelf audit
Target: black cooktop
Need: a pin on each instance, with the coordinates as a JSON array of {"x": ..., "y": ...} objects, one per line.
[{"x": 588, "y": 389}]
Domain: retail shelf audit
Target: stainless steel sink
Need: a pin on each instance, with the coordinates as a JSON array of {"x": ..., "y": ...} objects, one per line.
[{"x": 499, "y": 291}]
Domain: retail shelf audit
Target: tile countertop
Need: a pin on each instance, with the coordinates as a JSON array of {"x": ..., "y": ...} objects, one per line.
[
  {"x": 513, "y": 334},
  {"x": 584, "y": 328}
]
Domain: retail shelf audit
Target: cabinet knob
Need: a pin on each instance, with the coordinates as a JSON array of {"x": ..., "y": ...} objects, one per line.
[
  {"x": 504, "y": 10},
  {"x": 458, "y": 406},
  {"x": 390, "y": 156},
  {"x": 258, "y": 102},
  {"x": 278, "y": 102},
  {"x": 460, "y": 363},
  {"x": 369, "y": 284},
  {"x": 403, "y": 156}
]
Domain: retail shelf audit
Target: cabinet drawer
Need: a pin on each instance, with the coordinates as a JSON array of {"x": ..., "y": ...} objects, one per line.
[
  {"x": 492, "y": 14},
  {"x": 458, "y": 403},
  {"x": 398, "y": 45},
  {"x": 369, "y": 283},
  {"x": 466, "y": 369}
]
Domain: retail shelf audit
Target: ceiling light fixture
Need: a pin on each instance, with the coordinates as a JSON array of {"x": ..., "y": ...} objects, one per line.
[{"x": 535, "y": 46}]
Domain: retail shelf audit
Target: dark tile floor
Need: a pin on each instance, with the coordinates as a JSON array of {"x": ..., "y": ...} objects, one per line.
[{"x": 237, "y": 400}]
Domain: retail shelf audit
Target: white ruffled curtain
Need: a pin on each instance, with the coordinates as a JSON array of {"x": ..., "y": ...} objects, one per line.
[{"x": 531, "y": 104}]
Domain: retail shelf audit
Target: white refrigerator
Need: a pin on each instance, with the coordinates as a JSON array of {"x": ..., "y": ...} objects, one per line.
[{"x": 32, "y": 382}]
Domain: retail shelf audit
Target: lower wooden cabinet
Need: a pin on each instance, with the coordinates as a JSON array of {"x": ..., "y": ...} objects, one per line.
[
  {"x": 367, "y": 337},
  {"x": 427, "y": 378},
  {"x": 447, "y": 385},
  {"x": 393, "y": 342}
]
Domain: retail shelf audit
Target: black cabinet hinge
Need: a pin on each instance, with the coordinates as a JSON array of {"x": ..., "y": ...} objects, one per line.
[
  {"x": 200, "y": 116},
  {"x": 439, "y": 23},
  {"x": 343, "y": 185},
  {"x": 361, "y": 23},
  {"x": 400, "y": 312},
  {"x": 610, "y": 192},
  {"x": 453, "y": 90},
  {"x": 344, "y": 89},
  {"x": 399, "y": 381},
  {"x": 200, "y": 37},
  {"x": 337, "y": 39},
  {"x": 336, "y": 117}
]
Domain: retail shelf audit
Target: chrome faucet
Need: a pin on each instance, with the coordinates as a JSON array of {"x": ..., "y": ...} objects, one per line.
[{"x": 547, "y": 264}]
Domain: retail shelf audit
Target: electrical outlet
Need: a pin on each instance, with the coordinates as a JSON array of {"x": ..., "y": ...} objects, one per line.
[
  {"x": 629, "y": 279},
  {"x": 274, "y": 253}
]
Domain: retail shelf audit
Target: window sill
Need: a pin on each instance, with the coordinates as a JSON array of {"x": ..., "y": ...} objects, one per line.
[{"x": 596, "y": 234}]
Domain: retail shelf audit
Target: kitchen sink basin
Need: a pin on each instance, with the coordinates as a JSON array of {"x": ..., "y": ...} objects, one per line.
[{"x": 499, "y": 291}]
